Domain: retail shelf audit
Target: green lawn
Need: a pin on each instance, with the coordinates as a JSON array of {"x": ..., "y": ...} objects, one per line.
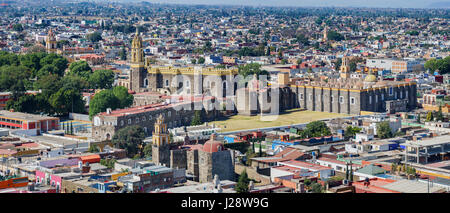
[{"x": 295, "y": 116}]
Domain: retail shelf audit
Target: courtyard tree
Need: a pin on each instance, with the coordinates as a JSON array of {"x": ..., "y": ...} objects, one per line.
[
  {"x": 243, "y": 183},
  {"x": 130, "y": 138},
  {"x": 316, "y": 129},
  {"x": 101, "y": 101},
  {"x": 101, "y": 79},
  {"x": 125, "y": 98},
  {"x": 384, "y": 130}
]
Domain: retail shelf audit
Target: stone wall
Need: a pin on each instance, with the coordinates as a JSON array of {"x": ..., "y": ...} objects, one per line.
[
  {"x": 161, "y": 155},
  {"x": 223, "y": 165},
  {"x": 192, "y": 159},
  {"x": 178, "y": 159},
  {"x": 252, "y": 174}
]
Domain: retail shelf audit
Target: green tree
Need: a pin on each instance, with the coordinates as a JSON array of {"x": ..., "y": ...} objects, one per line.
[
  {"x": 316, "y": 129},
  {"x": 101, "y": 79},
  {"x": 94, "y": 37},
  {"x": 130, "y": 138},
  {"x": 338, "y": 64},
  {"x": 201, "y": 60},
  {"x": 123, "y": 54},
  {"x": 101, "y": 101},
  {"x": 197, "y": 120},
  {"x": 148, "y": 150},
  {"x": 335, "y": 36},
  {"x": 80, "y": 68},
  {"x": 302, "y": 39},
  {"x": 26, "y": 103},
  {"x": 14, "y": 78},
  {"x": 384, "y": 130},
  {"x": 242, "y": 185},
  {"x": 439, "y": 115},
  {"x": 65, "y": 101},
  {"x": 430, "y": 116},
  {"x": 125, "y": 98},
  {"x": 351, "y": 131},
  {"x": 93, "y": 148},
  {"x": 431, "y": 64},
  {"x": 47, "y": 70},
  {"x": 317, "y": 188},
  {"x": 18, "y": 28},
  {"x": 74, "y": 82},
  {"x": 252, "y": 69}
]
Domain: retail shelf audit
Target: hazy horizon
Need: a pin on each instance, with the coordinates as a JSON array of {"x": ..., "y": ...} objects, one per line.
[{"x": 313, "y": 3}]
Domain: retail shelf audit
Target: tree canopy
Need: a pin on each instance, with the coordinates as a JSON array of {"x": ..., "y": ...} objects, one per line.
[
  {"x": 242, "y": 185},
  {"x": 101, "y": 79},
  {"x": 117, "y": 97},
  {"x": 131, "y": 139},
  {"x": 316, "y": 129},
  {"x": 384, "y": 130}
]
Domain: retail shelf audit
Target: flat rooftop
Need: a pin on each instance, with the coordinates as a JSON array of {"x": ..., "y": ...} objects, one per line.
[
  {"x": 439, "y": 140},
  {"x": 53, "y": 141},
  {"x": 24, "y": 116},
  {"x": 203, "y": 188},
  {"x": 410, "y": 186}
]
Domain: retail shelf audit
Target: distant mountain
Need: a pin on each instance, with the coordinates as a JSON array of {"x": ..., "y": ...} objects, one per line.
[{"x": 444, "y": 4}]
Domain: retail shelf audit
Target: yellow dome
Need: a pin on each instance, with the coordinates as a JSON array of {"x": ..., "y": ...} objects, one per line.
[{"x": 370, "y": 78}]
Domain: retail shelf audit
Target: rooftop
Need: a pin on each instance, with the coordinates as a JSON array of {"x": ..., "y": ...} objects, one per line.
[
  {"x": 445, "y": 139},
  {"x": 25, "y": 116},
  {"x": 410, "y": 186}
]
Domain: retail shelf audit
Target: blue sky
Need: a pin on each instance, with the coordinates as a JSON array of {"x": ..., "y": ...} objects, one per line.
[{"x": 319, "y": 3}]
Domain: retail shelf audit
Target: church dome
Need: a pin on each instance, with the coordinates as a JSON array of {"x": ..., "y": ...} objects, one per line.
[
  {"x": 212, "y": 145},
  {"x": 370, "y": 78}
]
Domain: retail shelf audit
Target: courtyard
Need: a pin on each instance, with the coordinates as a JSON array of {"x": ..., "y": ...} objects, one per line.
[{"x": 290, "y": 117}]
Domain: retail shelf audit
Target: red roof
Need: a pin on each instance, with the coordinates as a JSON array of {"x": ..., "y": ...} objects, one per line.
[{"x": 287, "y": 154}]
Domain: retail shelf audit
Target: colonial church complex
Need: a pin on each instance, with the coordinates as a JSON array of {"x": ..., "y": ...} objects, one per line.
[{"x": 336, "y": 95}]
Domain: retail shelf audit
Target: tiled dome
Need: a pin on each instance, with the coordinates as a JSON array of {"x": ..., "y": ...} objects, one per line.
[{"x": 212, "y": 145}]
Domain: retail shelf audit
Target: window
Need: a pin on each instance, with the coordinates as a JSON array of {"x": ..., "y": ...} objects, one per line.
[
  {"x": 382, "y": 96},
  {"x": 341, "y": 99},
  {"x": 137, "y": 119},
  {"x": 169, "y": 114},
  {"x": 143, "y": 118},
  {"x": 301, "y": 96},
  {"x": 332, "y": 99},
  {"x": 376, "y": 98},
  {"x": 121, "y": 123},
  {"x": 401, "y": 95},
  {"x": 150, "y": 117},
  {"x": 391, "y": 91},
  {"x": 370, "y": 99},
  {"x": 406, "y": 94},
  {"x": 352, "y": 100},
  {"x": 167, "y": 83},
  {"x": 129, "y": 121}
]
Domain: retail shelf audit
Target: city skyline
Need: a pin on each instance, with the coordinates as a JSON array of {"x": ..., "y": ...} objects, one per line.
[{"x": 315, "y": 3}]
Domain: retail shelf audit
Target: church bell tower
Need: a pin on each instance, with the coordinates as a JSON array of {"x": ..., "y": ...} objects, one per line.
[
  {"x": 137, "y": 73},
  {"x": 160, "y": 140}
]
